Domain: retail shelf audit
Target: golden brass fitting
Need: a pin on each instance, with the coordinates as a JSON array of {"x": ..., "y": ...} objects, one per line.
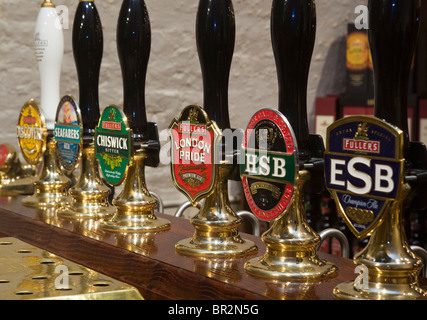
[
  {"x": 291, "y": 245},
  {"x": 90, "y": 194},
  {"x": 51, "y": 187},
  {"x": 135, "y": 206},
  {"x": 216, "y": 225},
  {"x": 392, "y": 266}
]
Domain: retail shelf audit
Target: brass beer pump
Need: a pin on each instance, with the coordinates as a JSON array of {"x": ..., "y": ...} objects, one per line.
[
  {"x": 48, "y": 47},
  {"x": 216, "y": 224},
  {"x": 89, "y": 196},
  {"x": 51, "y": 186},
  {"x": 291, "y": 242},
  {"x": 135, "y": 205},
  {"x": 391, "y": 268}
]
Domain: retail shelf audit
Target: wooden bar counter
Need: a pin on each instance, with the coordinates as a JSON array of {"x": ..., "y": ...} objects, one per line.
[{"x": 150, "y": 263}]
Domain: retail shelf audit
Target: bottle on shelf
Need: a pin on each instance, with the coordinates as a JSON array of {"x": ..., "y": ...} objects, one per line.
[
  {"x": 312, "y": 208},
  {"x": 416, "y": 228},
  {"x": 341, "y": 226},
  {"x": 326, "y": 221},
  {"x": 308, "y": 208}
]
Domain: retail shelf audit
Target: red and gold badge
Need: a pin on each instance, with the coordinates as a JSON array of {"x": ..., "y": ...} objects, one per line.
[{"x": 193, "y": 145}]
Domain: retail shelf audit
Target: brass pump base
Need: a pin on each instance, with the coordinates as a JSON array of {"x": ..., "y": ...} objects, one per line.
[
  {"x": 51, "y": 188},
  {"x": 135, "y": 206},
  {"x": 291, "y": 245},
  {"x": 380, "y": 291},
  {"x": 214, "y": 242},
  {"x": 90, "y": 194},
  {"x": 17, "y": 186},
  {"x": 15, "y": 178},
  {"x": 216, "y": 226},
  {"x": 392, "y": 266}
]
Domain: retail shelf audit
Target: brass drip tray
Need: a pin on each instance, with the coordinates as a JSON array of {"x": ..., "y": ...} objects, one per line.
[{"x": 29, "y": 273}]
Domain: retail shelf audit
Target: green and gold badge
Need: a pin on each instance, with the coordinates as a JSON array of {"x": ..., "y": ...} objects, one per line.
[{"x": 113, "y": 145}]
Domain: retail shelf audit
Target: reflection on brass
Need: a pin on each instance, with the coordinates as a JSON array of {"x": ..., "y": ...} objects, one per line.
[
  {"x": 90, "y": 194},
  {"x": 216, "y": 225},
  {"x": 51, "y": 187},
  {"x": 29, "y": 273},
  {"x": 86, "y": 227},
  {"x": 141, "y": 243},
  {"x": 225, "y": 270},
  {"x": 15, "y": 178},
  {"x": 135, "y": 206},
  {"x": 291, "y": 290},
  {"x": 291, "y": 245},
  {"x": 49, "y": 216},
  {"x": 392, "y": 266}
]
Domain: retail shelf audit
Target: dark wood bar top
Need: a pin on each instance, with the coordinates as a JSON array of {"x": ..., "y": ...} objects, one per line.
[{"x": 149, "y": 262}]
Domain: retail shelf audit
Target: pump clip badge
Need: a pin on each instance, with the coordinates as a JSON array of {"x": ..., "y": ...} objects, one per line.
[
  {"x": 32, "y": 132},
  {"x": 113, "y": 145},
  {"x": 193, "y": 141},
  {"x": 68, "y": 133},
  {"x": 364, "y": 169},
  {"x": 268, "y": 164}
]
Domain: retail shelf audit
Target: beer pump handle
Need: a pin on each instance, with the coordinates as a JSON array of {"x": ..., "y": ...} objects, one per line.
[
  {"x": 391, "y": 76},
  {"x": 88, "y": 48},
  {"x": 391, "y": 71},
  {"x": 215, "y": 36},
  {"x": 49, "y": 50},
  {"x": 293, "y": 32},
  {"x": 133, "y": 46}
]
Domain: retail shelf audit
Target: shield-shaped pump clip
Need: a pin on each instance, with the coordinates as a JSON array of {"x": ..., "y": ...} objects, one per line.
[
  {"x": 364, "y": 169},
  {"x": 194, "y": 140}
]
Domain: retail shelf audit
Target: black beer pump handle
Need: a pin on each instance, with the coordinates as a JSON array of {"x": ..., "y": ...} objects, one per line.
[
  {"x": 133, "y": 46},
  {"x": 215, "y": 36},
  {"x": 88, "y": 48},
  {"x": 393, "y": 31},
  {"x": 293, "y": 33}
]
